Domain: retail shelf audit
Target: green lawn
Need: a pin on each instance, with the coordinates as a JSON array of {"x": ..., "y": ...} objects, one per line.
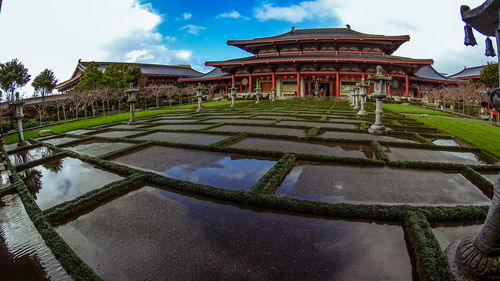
[
  {"x": 398, "y": 108},
  {"x": 475, "y": 132},
  {"x": 85, "y": 123}
]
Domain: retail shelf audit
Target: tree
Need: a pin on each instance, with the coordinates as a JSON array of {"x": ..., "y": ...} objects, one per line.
[
  {"x": 92, "y": 78},
  {"x": 45, "y": 82},
  {"x": 13, "y": 75},
  {"x": 489, "y": 75},
  {"x": 118, "y": 76}
]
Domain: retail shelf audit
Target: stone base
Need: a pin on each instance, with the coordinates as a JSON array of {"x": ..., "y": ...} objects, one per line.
[
  {"x": 199, "y": 109},
  {"x": 378, "y": 130},
  {"x": 22, "y": 144},
  {"x": 456, "y": 269},
  {"x": 356, "y": 107},
  {"x": 362, "y": 113},
  {"x": 132, "y": 122},
  {"x": 468, "y": 260}
]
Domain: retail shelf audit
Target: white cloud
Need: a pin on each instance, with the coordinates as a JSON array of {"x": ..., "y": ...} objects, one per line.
[
  {"x": 233, "y": 15},
  {"x": 435, "y": 27},
  {"x": 170, "y": 38},
  {"x": 192, "y": 29},
  {"x": 187, "y": 16},
  {"x": 53, "y": 35},
  {"x": 183, "y": 55}
]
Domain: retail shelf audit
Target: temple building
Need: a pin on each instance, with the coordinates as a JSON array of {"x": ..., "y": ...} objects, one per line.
[
  {"x": 335, "y": 58},
  {"x": 155, "y": 73}
]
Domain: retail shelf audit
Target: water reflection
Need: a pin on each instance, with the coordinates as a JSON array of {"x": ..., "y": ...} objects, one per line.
[
  {"x": 366, "y": 185},
  {"x": 23, "y": 253},
  {"x": 408, "y": 154},
  {"x": 32, "y": 154},
  {"x": 64, "y": 179},
  {"x": 193, "y": 239},
  {"x": 445, "y": 142},
  {"x": 210, "y": 168}
]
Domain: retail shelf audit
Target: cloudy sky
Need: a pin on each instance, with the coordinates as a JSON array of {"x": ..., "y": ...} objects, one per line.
[{"x": 54, "y": 34}]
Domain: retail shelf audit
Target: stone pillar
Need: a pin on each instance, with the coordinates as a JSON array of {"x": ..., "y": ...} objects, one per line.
[
  {"x": 199, "y": 95},
  {"x": 18, "y": 106},
  {"x": 132, "y": 99},
  {"x": 356, "y": 95},
  {"x": 380, "y": 92},
  {"x": 362, "y": 93},
  {"x": 257, "y": 93},
  {"x": 233, "y": 95},
  {"x": 273, "y": 94}
]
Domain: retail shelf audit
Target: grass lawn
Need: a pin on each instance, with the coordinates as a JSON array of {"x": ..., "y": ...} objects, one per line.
[
  {"x": 477, "y": 133},
  {"x": 85, "y": 123},
  {"x": 398, "y": 108}
]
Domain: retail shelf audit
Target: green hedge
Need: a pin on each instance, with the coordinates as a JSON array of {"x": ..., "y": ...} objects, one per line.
[
  {"x": 430, "y": 261},
  {"x": 379, "y": 151},
  {"x": 270, "y": 181},
  {"x": 232, "y": 139}
]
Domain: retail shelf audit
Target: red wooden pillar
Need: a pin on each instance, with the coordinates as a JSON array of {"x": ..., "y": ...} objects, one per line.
[
  {"x": 363, "y": 75},
  {"x": 226, "y": 89},
  {"x": 331, "y": 87},
  {"x": 407, "y": 86},
  {"x": 309, "y": 91},
  {"x": 337, "y": 84},
  {"x": 232, "y": 79},
  {"x": 298, "y": 84},
  {"x": 212, "y": 92},
  {"x": 241, "y": 88},
  {"x": 388, "y": 89},
  {"x": 274, "y": 80},
  {"x": 250, "y": 83},
  {"x": 418, "y": 93}
]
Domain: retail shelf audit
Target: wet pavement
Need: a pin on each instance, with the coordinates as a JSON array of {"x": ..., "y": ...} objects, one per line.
[
  {"x": 23, "y": 253},
  {"x": 408, "y": 154},
  {"x": 29, "y": 155},
  {"x": 365, "y": 185},
  {"x": 98, "y": 148},
  {"x": 261, "y": 130},
  {"x": 64, "y": 179},
  {"x": 192, "y": 138},
  {"x": 58, "y": 141},
  {"x": 117, "y": 134},
  {"x": 236, "y": 172},
  {"x": 362, "y": 136},
  {"x": 194, "y": 239}
]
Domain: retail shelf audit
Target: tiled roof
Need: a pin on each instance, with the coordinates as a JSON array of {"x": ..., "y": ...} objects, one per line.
[
  {"x": 320, "y": 57},
  {"x": 320, "y": 32},
  {"x": 216, "y": 73},
  {"x": 428, "y": 72},
  {"x": 468, "y": 72}
]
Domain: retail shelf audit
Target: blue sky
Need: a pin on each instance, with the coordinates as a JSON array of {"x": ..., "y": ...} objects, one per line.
[{"x": 54, "y": 34}]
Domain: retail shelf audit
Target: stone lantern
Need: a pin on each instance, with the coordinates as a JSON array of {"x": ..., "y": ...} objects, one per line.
[
  {"x": 233, "y": 95},
  {"x": 380, "y": 92},
  {"x": 273, "y": 94},
  {"x": 19, "y": 114},
  {"x": 316, "y": 89},
  {"x": 257, "y": 93},
  {"x": 479, "y": 255},
  {"x": 199, "y": 95},
  {"x": 356, "y": 95},
  {"x": 131, "y": 100},
  {"x": 363, "y": 85}
]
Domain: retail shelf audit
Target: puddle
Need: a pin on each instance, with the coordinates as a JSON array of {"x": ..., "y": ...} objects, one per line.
[
  {"x": 490, "y": 177},
  {"x": 367, "y": 185},
  {"x": 445, "y": 142},
  {"x": 9, "y": 147},
  {"x": 32, "y": 154},
  {"x": 362, "y": 136},
  {"x": 211, "y": 168},
  {"x": 5, "y": 179},
  {"x": 242, "y": 121},
  {"x": 262, "y": 130},
  {"x": 339, "y": 150},
  {"x": 407, "y": 154},
  {"x": 58, "y": 141},
  {"x": 192, "y": 239},
  {"x": 118, "y": 134},
  {"x": 318, "y": 125},
  {"x": 192, "y": 138},
  {"x": 23, "y": 253},
  {"x": 80, "y": 132},
  {"x": 64, "y": 179},
  {"x": 98, "y": 148},
  {"x": 126, "y": 126},
  {"x": 181, "y": 127}
]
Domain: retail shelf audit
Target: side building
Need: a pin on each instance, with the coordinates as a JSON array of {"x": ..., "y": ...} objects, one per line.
[
  {"x": 335, "y": 58},
  {"x": 155, "y": 73},
  {"x": 469, "y": 73}
]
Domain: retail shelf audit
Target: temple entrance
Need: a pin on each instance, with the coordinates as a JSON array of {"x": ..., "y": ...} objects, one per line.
[
  {"x": 266, "y": 87},
  {"x": 324, "y": 89}
]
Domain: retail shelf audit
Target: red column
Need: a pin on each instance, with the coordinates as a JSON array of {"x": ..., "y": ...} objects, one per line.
[
  {"x": 337, "y": 84},
  {"x": 250, "y": 83},
  {"x": 331, "y": 88},
  {"x": 309, "y": 87},
  {"x": 407, "y": 85},
  {"x": 388, "y": 89},
  {"x": 274, "y": 80},
  {"x": 298, "y": 84},
  {"x": 363, "y": 75},
  {"x": 212, "y": 92},
  {"x": 232, "y": 79},
  {"x": 226, "y": 89},
  {"x": 418, "y": 93},
  {"x": 241, "y": 88}
]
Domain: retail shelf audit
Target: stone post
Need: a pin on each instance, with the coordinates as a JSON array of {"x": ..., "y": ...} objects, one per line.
[
  {"x": 356, "y": 95},
  {"x": 257, "y": 93},
  {"x": 380, "y": 92},
  {"x": 233, "y": 95},
  {"x": 316, "y": 89},
  {"x": 199, "y": 95},
  {"x": 362, "y": 93},
  {"x": 273, "y": 94},
  {"x": 18, "y": 106},
  {"x": 132, "y": 99}
]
